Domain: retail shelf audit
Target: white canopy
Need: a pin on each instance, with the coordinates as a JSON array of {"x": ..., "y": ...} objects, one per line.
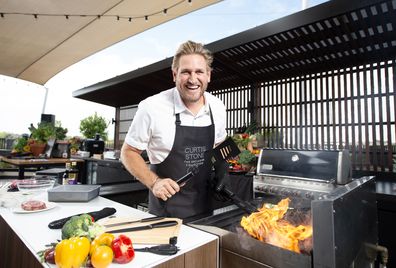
[{"x": 38, "y": 39}]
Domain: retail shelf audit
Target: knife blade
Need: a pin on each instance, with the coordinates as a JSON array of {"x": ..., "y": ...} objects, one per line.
[
  {"x": 136, "y": 221},
  {"x": 145, "y": 227}
]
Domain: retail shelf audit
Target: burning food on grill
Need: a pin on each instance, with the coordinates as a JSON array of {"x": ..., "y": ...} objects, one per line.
[{"x": 268, "y": 225}]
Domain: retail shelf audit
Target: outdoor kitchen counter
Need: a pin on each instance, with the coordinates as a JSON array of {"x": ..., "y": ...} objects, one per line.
[{"x": 197, "y": 248}]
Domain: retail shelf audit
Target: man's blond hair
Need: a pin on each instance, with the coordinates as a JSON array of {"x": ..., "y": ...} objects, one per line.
[{"x": 191, "y": 47}]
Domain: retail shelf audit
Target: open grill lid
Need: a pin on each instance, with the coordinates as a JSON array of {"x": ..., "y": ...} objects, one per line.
[{"x": 320, "y": 166}]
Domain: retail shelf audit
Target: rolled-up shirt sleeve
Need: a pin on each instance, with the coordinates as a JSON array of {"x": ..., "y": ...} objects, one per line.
[{"x": 139, "y": 132}]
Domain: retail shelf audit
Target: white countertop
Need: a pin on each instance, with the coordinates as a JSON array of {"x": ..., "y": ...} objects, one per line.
[{"x": 32, "y": 228}]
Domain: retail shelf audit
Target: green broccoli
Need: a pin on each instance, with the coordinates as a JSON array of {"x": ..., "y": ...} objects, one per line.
[{"x": 81, "y": 225}]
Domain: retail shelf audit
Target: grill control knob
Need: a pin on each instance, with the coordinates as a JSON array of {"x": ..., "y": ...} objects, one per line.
[
  {"x": 264, "y": 188},
  {"x": 308, "y": 195}
]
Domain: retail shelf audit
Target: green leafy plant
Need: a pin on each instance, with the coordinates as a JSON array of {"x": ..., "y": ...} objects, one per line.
[
  {"x": 93, "y": 125},
  {"x": 75, "y": 143},
  {"x": 42, "y": 133},
  {"x": 60, "y": 132},
  {"x": 246, "y": 157},
  {"x": 21, "y": 145}
]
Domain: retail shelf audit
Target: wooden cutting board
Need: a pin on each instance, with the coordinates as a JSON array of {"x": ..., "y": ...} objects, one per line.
[{"x": 152, "y": 236}]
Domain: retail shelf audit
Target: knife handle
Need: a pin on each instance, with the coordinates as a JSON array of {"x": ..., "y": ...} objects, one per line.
[
  {"x": 100, "y": 214},
  {"x": 58, "y": 224},
  {"x": 164, "y": 249},
  {"x": 163, "y": 224}
]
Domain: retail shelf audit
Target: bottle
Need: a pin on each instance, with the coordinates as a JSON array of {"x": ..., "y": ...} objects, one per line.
[
  {"x": 73, "y": 173},
  {"x": 65, "y": 178}
]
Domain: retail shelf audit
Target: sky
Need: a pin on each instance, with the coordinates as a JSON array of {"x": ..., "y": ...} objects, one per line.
[{"x": 22, "y": 102}]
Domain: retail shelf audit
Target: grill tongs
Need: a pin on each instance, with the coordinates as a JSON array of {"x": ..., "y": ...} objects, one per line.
[
  {"x": 242, "y": 204},
  {"x": 220, "y": 154}
]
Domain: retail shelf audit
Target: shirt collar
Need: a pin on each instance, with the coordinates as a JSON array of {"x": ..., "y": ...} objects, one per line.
[{"x": 179, "y": 105}]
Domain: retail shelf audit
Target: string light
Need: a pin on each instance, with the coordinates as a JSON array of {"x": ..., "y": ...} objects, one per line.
[{"x": 118, "y": 17}]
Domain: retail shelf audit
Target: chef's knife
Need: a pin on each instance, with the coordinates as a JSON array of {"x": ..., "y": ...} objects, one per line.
[
  {"x": 145, "y": 227},
  {"x": 129, "y": 222},
  {"x": 96, "y": 215}
]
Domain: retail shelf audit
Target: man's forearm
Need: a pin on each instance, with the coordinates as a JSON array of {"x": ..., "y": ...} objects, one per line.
[{"x": 135, "y": 164}]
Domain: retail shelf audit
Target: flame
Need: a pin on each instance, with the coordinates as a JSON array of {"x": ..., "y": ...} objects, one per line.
[{"x": 268, "y": 225}]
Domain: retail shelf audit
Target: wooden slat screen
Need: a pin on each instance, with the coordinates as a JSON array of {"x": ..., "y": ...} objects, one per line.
[
  {"x": 237, "y": 102},
  {"x": 352, "y": 108},
  {"x": 124, "y": 119}
]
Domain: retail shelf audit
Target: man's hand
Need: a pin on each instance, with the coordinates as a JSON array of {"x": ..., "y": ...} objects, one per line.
[{"x": 165, "y": 188}]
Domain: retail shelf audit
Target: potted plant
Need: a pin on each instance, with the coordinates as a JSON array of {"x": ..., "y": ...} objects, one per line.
[
  {"x": 40, "y": 135},
  {"x": 75, "y": 143},
  {"x": 20, "y": 146}
]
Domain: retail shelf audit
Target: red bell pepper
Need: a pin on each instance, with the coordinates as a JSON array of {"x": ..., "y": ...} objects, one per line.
[{"x": 122, "y": 249}]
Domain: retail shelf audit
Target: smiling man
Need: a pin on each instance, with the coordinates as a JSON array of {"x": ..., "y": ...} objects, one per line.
[{"x": 176, "y": 127}]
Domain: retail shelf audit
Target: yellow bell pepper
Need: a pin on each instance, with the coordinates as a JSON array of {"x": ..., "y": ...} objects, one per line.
[
  {"x": 72, "y": 253},
  {"x": 104, "y": 239}
]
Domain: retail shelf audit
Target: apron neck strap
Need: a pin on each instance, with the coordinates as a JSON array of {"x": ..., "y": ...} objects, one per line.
[{"x": 178, "y": 121}]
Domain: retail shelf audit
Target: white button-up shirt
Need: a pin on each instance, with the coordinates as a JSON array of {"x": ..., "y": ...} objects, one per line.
[{"x": 153, "y": 128}]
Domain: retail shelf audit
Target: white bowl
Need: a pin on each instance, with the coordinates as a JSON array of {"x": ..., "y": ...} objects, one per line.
[{"x": 35, "y": 185}]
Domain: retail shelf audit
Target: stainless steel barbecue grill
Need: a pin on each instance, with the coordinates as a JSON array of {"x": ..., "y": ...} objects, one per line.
[
  {"x": 342, "y": 211},
  {"x": 302, "y": 174}
]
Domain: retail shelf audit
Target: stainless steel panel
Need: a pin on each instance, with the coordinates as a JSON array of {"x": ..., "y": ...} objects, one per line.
[
  {"x": 308, "y": 165},
  {"x": 107, "y": 172},
  {"x": 343, "y": 222}
]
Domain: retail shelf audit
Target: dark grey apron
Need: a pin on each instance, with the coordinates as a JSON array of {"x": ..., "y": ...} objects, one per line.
[{"x": 187, "y": 154}]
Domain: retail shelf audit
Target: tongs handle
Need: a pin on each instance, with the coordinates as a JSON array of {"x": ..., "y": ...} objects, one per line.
[
  {"x": 246, "y": 206},
  {"x": 165, "y": 249},
  {"x": 185, "y": 178}
]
